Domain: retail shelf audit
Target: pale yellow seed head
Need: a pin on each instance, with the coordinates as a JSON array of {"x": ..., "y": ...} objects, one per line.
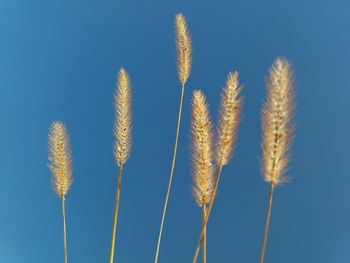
[
  {"x": 277, "y": 115},
  {"x": 229, "y": 118},
  {"x": 122, "y": 123},
  {"x": 183, "y": 48},
  {"x": 202, "y": 157},
  {"x": 60, "y": 158}
]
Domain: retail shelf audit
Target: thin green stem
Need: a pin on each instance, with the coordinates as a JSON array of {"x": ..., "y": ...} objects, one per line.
[
  {"x": 116, "y": 209},
  {"x": 268, "y": 215},
  {"x": 208, "y": 214},
  {"x": 64, "y": 229},
  {"x": 171, "y": 174}
]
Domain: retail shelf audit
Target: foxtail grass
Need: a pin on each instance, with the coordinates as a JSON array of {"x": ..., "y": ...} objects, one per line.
[
  {"x": 277, "y": 115},
  {"x": 60, "y": 166},
  {"x": 202, "y": 158},
  {"x": 229, "y": 117},
  {"x": 184, "y": 61},
  {"x": 122, "y": 137}
]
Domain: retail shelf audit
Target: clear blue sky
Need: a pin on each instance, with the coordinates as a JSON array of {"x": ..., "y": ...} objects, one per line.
[{"x": 59, "y": 61}]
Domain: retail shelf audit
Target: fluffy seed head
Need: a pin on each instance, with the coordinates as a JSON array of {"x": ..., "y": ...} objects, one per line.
[
  {"x": 277, "y": 124},
  {"x": 60, "y": 158},
  {"x": 183, "y": 48},
  {"x": 122, "y": 123},
  {"x": 201, "y": 150},
  {"x": 228, "y": 119}
]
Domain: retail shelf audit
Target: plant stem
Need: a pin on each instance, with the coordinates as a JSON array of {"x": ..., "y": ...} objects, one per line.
[
  {"x": 208, "y": 213},
  {"x": 171, "y": 174},
  {"x": 268, "y": 215},
  {"x": 204, "y": 245},
  {"x": 64, "y": 229},
  {"x": 114, "y": 231}
]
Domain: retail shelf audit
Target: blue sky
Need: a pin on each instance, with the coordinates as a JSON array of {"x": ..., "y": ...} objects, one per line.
[{"x": 59, "y": 61}]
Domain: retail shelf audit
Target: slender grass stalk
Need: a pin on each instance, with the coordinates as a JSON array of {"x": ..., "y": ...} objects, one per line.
[
  {"x": 278, "y": 131},
  {"x": 115, "y": 219},
  {"x": 60, "y": 167},
  {"x": 204, "y": 246},
  {"x": 122, "y": 145},
  {"x": 183, "y": 48},
  {"x": 198, "y": 246},
  {"x": 268, "y": 215},
  {"x": 64, "y": 230},
  {"x": 171, "y": 176},
  {"x": 229, "y": 118}
]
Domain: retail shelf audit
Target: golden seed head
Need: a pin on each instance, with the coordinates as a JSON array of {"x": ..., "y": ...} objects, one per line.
[
  {"x": 228, "y": 119},
  {"x": 122, "y": 123},
  {"x": 277, "y": 115},
  {"x": 183, "y": 48},
  {"x": 201, "y": 150},
  {"x": 60, "y": 158}
]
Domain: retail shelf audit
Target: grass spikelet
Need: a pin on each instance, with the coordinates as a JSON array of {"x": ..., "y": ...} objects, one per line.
[
  {"x": 61, "y": 170},
  {"x": 122, "y": 125},
  {"x": 202, "y": 156},
  {"x": 276, "y": 122},
  {"x": 183, "y": 48},
  {"x": 60, "y": 158},
  {"x": 228, "y": 119},
  {"x": 122, "y": 144},
  {"x": 277, "y": 115}
]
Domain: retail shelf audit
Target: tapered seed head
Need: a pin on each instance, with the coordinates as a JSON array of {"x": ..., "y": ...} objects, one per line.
[
  {"x": 183, "y": 48},
  {"x": 60, "y": 158},
  {"x": 202, "y": 157},
  {"x": 277, "y": 115},
  {"x": 229, "y": 117},
  {"x": 122, "y": 123}
]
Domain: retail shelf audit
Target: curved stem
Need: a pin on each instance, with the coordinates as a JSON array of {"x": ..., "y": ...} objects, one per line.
[
  {"x": 204, "y": 245},
  {"x": 268, "y": 215},
  {"x": 64, "y": 230},
  {"x": 171, "y": 174},
  {"x": 116, "y": 209},
  {"x": 208, "y": 214}
]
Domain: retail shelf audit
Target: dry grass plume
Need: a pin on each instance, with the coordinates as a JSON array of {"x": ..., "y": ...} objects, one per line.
[
  {"x": 183, "y": 48},
  {"x": 228, "y": 119},
  {"x": 122, "y": 124},
  {"x": 60, "y": 158},
  {"x": 202, "y": 155},
  {"x": 277, "y": 116}
]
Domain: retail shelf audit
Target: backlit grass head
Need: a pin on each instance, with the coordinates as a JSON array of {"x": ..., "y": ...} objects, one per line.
[
  {"x": 122, "y": 123},
  {"x": 202, "y": 156},
  {"x": 277, "y": 124},
  {"x": 183, "y": 48},
  {"x": 229, "y": 118},
  {"x": 60, "y": 158}
]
